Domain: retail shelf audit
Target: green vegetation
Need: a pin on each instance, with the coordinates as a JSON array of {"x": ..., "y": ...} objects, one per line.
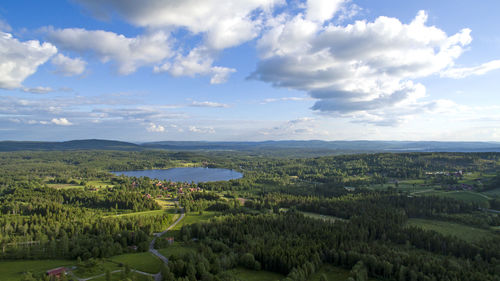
[
  {"x": 407, "y": 216},
  {"x": 177, "y": 249},
  {"x": 13, "y": 270},
  {"x": 467, "y": 233},
  {"x": 141, "y": 261},
  {"x": 243, "y": 274}
]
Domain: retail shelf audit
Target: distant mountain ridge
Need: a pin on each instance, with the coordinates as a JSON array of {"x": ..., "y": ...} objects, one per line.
[
  {"x": 346, "y": 146},
  {"x": 91, "y": 144}
]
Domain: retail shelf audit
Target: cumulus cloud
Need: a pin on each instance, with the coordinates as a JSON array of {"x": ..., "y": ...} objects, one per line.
[
  {"x": 322, "y": 10},
  {"x": 220, "y": 25},
  {"x": 201, "y": 130},
  {"x": 61, "y": 122},
  {"x": 67, "y": 66},
  {"x": 155, "y": 128},
  {"x": 127, "y": 53},
  {"x": 300, "y": 127},
  {"x": 38, "y": 90},
  {"x": 197, "y": 61},
  {"x": 363, "y": 70},
  {"x": 458, "y": 73},
  {"x": 225, "y": 24},
  {"x": 284, "y": 99},
  {"x": 18, "y": 60},
  {"x": 208, "y": 104}
]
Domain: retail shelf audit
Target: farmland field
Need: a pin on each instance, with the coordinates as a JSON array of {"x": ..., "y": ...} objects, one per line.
[{"x": 467, "y": 233}]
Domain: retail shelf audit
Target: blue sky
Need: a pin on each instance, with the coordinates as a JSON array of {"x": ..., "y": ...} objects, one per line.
[{"x": 249, "y": 70}]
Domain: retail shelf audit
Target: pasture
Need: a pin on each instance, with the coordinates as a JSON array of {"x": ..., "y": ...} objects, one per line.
[{"x": 465, "y": 232}]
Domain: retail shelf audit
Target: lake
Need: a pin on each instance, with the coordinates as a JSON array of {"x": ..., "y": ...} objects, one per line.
[{"x": 185, "y": 174}]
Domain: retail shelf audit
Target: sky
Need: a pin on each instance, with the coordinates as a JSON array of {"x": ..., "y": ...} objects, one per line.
[{"x": 249, "y": 70}]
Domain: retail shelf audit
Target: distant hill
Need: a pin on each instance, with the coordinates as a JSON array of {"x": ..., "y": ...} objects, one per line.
[
  {"x": 328, "y": 147},
  {"x": 68, "y": 145},
  {"x": 354, "y": 146}
]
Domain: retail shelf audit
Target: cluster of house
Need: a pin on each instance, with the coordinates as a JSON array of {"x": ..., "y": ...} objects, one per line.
[
  {"x": 459, "y": 173},
  {"x": 180, "y": 188}
]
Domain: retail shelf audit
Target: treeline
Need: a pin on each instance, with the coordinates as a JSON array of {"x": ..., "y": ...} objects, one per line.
[{"x": 296, "y": 246}]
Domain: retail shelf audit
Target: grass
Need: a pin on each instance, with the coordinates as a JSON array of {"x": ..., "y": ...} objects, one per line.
[
  {"x": 467, "y": 233},
  {"x": 244, "y": 274},
  {"x": 141, "y": 261},
  {"x": 467, "y": 196},
  {"x": 99, "y": 184},
  {"x": 101, "y": 267},
  {"x": 154, "y": 212},
  {"x": 177, "y": 249},
  {"x": 117, "y": 277},
  {"x": 63, "y": 186},
  {"x": 195, "y": 217},
  {"x": 321, "y": 217},
  {"x": 13, "y": 270}
]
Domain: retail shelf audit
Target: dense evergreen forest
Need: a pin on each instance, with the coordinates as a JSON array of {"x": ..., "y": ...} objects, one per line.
[{"x": 67, "y": 205}]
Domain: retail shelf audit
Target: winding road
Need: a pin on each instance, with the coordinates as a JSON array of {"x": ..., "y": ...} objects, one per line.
[{"x": 152, "y": 250}]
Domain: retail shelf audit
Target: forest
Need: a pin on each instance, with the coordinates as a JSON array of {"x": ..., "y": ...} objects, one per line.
[{"x": 370, "y": 215}]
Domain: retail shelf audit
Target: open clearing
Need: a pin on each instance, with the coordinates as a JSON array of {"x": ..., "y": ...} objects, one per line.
[
  {"x": 321, "y": 217},
  {"x": 13, "y": 270},
  {"x": 177, "y": 249},
  {"x": 141, "y": 261},
  {"x": 467, "y": 196},
  {"x": 467, "y": 233},
  {"x": 63, "y": 186}
]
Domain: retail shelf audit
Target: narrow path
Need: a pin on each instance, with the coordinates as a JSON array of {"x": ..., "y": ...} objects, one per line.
[{"x": 152, "y": 249}]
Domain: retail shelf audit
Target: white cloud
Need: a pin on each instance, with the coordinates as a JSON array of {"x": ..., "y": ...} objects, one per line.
[
  {"x": 208, "y": 104},
  {"x": 155, "y": 128},
  {"x": 362, "y": 70},
  {"x": 458, "y": 73},
  {"x": 220, "y": 25},
  {"x": 18, "y": 60},
  {"x": 201, "y": 130},
  {"x": 61, "y": 122},
  {"x": 38, "y": 90},
  {"x": 322, "y": 10},
  {"x": 225, "y": 24},
  {"x": 197, "y": 61},
  {"x": 285, "y": 99},
  {"x": 67, "y": 66},
  {"x": 127, "y": 53}
]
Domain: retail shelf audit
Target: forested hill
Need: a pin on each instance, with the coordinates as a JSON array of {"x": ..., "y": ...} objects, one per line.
[
  {"x": 329, "y": 147},
  {"x": 68, "y": 145}
]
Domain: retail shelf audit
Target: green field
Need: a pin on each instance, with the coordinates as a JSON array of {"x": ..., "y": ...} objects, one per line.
[
  {"x": 467, "y": 196},
  {"x": 141, "y": 261},
  {"x": 467, "y": 233},
  {"x": 243, "y": 274},
  {"x": 13, "y": 270},
  {"x": 117, "y": 277},
  {"x": 63, "y": 186},
  {"x": 320, "y": 217},
  {"x": 144, "y": 213},
  {"x": 177, "y": 249},
  {"x": 195, "y": 217}
]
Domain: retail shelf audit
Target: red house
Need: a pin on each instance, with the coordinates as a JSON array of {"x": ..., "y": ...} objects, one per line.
[
  {"x": 56, "y": 272},
  {"x": 170, "y": 240}
]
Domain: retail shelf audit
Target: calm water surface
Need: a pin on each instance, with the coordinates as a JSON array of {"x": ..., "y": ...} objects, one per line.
[{"x": 185, "y": 174}]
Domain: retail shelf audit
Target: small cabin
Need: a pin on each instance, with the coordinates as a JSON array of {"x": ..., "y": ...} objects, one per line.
[{"x": 170, "y": 240}]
